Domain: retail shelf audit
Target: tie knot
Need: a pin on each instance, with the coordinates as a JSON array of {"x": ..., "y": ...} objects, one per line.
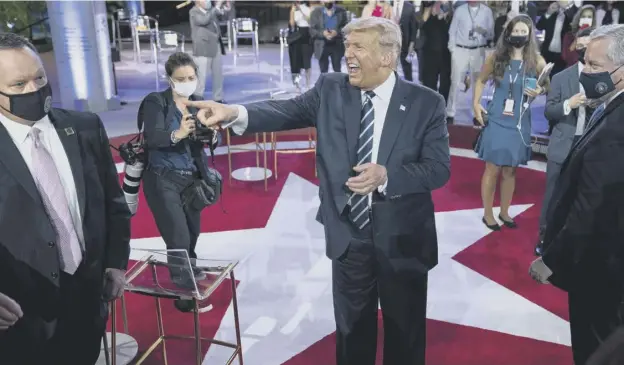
[
  {"x": 35, "y": 135},
  {"x": 370, "y": 94}
]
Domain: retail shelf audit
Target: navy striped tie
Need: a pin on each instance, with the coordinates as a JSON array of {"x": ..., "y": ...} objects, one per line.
[
  {"x": 596, "y": 115},
  {"x": 359, "y": 203}
]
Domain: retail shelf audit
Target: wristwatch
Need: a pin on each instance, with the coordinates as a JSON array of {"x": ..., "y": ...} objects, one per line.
[{"x": 174, "y": 140}]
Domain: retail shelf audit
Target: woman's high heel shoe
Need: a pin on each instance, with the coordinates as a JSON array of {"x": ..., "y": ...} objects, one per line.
[
  {"x": 508, "y": 224},
  {"x": 493, "y": 227}
]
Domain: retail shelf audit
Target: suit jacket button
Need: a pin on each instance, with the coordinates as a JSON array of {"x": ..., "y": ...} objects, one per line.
[
  {"x": 50, "y": 244},
  {"x": 54, "y": 275}
]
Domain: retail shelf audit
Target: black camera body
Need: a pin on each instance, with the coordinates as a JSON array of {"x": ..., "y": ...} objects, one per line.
[
  {"x": 134, "y": 157},
  {"x": 131, "y": 152},
  {"x": 202, "y": 133}
]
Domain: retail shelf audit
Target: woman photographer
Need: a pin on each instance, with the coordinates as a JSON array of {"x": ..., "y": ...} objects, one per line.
[
  {"x": 176, "y": 162},
  {"x": 505, "y": 140}
]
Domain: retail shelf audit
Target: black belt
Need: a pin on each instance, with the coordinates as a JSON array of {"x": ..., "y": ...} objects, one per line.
[
  {"x": 469, "y": 47},
  {"x": 162, "y": 171}
]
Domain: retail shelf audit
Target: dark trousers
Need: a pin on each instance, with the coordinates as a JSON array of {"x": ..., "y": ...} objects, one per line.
[
  {"x": 359, "y": 284},
  {"x": 436, "y": 71},
  {"x": 406, "y": 66},
  {"x": 334, "y": 51},
  {"x": 77, "y": 336},
  {"x": 596, "y": 310},
  {"x": 178, "y": 224}
]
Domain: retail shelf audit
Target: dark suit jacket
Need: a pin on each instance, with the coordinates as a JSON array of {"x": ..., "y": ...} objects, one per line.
[
  {"x": 409, "y": 26},
  {"x": 156, "y": 129},
  {"x": 29, "y": 261},
  {"x": 414, "y": 149},
  {"x": 548, "y": 26},
  {"x": 585, "y": 221},
  {"x": 317, "y": 27}
]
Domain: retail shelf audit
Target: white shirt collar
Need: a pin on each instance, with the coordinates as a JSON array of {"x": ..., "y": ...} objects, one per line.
[
  {"x": 580, "y": 67},
  {"x": 384, "y": 91},
  {"x": 19, "y": 132}
]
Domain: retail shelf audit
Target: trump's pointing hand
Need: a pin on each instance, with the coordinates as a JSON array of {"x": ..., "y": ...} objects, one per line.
[{"x": 212, "y": 113}]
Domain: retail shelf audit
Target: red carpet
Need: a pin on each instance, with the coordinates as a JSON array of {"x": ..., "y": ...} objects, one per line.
[{"x": 501, "y": 256}]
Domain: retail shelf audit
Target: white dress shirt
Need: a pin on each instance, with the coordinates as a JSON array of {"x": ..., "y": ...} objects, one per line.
[
  {"x": 581, "y": 118},
  {"x": 381, "y": 101},
  {"x": 52, "y": 142},
  {"x": 555, "y": 43}
]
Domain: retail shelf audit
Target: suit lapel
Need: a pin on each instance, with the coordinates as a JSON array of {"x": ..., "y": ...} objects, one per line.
[
  {"x": 398, "y": 109},
  {"x": 353, "y": 111},
  {"x": 11, "y": 157},
  {"x": 69, "y": 138},
  {"x": 573, "y": 80}
]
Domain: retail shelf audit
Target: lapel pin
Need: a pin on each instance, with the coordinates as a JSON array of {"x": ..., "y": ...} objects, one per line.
[
  {"x": 69, "y": 131},
  {"x": 402, "y": 107}
]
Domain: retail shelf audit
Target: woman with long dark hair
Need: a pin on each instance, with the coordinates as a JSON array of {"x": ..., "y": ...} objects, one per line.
[{"x": 505, "y": 140}]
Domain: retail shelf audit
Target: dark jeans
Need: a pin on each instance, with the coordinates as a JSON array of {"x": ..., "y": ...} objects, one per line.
[
  {"x": 178, "y": 225},
  {"x": 335, "y": 51},
  {"x": 436, "y": 68}
]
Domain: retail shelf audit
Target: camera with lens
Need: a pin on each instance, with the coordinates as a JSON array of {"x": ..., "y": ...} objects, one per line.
[
  {"x": 134, "y": 157},
  {"x": 202, "y": 133}
]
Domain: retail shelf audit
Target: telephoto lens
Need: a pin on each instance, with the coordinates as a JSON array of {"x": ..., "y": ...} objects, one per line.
[{"x": 131, "y": 184}]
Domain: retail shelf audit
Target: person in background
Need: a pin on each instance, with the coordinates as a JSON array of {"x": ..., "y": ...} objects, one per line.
[
  {"x": 208, "y": 47},
  {"x": 379, "y": 9},
  {"x": 404, "y": 13},
  {"x": 583, "y": 252},
  {"x": 607, "y": 14},
  {"x": 568, "y": 114},
  {"x": 435, "y": 67},
  {"x": 65, "y": 227},
  {"x": 584, "y": 18},
  {"x": 175, "y": 161},
  {"x": 300, "y": 50},
  {"x": 502, "y": 14},
  {"x": 472, "y": 27},
  {"x": 326, "y": 23},
  {"x": 555, "y": 23},
  {"x": 505, "y": 140}
]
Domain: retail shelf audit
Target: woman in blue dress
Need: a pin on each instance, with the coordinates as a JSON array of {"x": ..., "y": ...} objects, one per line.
[{"x": 505, "y": 140}]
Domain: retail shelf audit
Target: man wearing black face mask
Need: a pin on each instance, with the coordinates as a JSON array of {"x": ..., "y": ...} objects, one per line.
[
  {"x": 568, "y": 115},
  {"x": 583, "y": 243},
  {"x": 64, "y": 222},
  {"x": 326, "y": 25}
]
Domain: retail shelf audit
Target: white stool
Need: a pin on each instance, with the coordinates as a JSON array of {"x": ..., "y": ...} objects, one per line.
[{"x": 245, "y": 28}]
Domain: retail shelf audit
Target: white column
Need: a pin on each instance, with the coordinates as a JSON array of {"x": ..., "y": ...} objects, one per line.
[
  {"x": 134, "y": 7},
  {"x": 82, "y": 51},
  {"x": 515, "y": 6}
]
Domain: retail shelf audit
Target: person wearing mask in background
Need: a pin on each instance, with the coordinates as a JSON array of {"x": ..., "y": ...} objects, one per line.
[
  {"x": 208, "y": 47},
  {"x": 505, "y": 140},
  {"x": 379, "y": 9},
  {"x": 472, "y": 27},
  {"x": 326, "y": 23},
  {"x": 300, "y": 48},
  {"x": 404, "y": 14},
  {"x": 436, "y": 58},
  {"x": 555, "y": 23},
  {"x": 585, "y": 18},
  {"x": 65, "y": 226},
  {"x": 567, "y": 113},
  {"x": 607, "y": 14},
  {"x": 583, "y": 252},
  {"x": 175, "y": 161}
]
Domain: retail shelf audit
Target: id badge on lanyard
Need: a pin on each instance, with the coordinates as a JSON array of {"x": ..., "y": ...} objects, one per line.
[{"x": 509, "y": 102}]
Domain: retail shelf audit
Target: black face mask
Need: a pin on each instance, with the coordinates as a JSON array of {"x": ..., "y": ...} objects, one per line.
[
  {"x": 518, "y": 41},
  {"x": 329, "y": 5},
  {"x": 581, "y": 55},
  {"x": 30, "y": 106},
  {"x": 597, "y": 85}
]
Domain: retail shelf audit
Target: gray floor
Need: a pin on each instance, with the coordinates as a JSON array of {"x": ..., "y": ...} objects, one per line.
[{"x": 250, "y": 80}]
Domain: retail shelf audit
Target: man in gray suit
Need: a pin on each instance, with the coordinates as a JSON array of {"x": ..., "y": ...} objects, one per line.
[
  {"x": 207, "y": 46},
  {"x": 382, "y": 149},
  {"x": 326, "y": 24},
  {"x": 567, "y": 114}
]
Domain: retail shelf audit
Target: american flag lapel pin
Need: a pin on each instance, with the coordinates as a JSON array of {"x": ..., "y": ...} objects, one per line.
[
  {"x": 69, "y": 131},
  {"x": 402, "y": 108}
]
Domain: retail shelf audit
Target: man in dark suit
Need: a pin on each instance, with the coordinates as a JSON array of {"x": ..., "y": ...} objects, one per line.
[
  {"x": 64, "y": 222},
  {"x": 406, "y": 17},
  {"x": 567, "y": 115},
  {"x": 326, "y": 24},
  {"x": 583, "y": 246},
  {"x": 382, "y": 148},
  {"x": 555, "y": 23}
]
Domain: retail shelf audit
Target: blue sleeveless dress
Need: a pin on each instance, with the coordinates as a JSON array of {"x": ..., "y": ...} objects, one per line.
[{"x": 502, "y": 143}]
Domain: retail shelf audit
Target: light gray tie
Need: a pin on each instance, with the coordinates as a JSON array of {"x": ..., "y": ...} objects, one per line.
[{"x": 52, "y": 193}]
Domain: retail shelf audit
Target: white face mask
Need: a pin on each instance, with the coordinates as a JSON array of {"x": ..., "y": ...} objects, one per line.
[
  {"x": 185, "y": 89},
  {"x": 585, "y": 22}
]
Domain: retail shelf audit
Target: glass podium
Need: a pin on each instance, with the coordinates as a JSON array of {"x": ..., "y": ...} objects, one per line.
[{"x": 171, "y": 274}]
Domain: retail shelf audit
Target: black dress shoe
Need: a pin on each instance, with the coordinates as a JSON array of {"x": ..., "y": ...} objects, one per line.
[
  {"x": 508, "y": 224},
  {"x": 493, "y": 227}
]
